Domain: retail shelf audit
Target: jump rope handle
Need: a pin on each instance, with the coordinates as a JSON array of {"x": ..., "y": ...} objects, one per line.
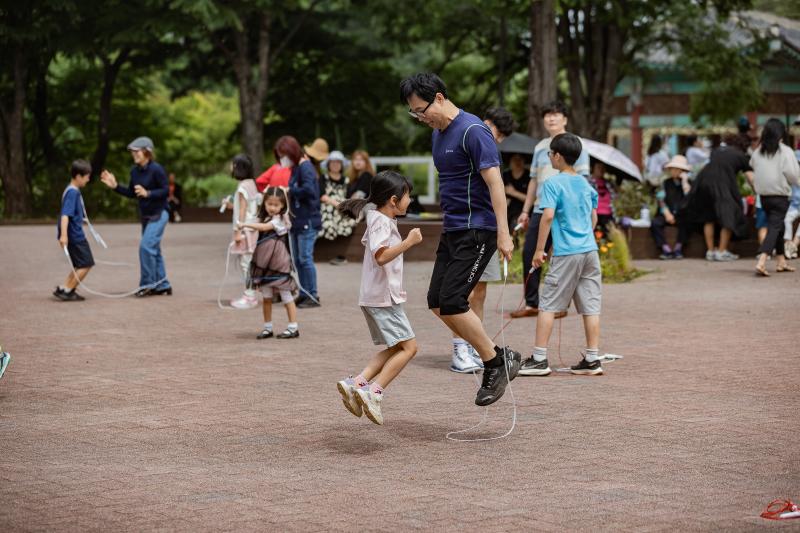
[
  {"x": 505, "y": 268},
  {"x": 224, "y": 203}
]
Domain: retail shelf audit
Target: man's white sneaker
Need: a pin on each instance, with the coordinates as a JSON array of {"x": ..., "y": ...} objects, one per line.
[
  {"x": 370, "y": 404},
  {"x": 725, "y": 255},
  {"x": 463, "y": 362}
]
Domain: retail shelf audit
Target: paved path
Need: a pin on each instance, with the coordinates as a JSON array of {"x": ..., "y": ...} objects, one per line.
[{"x": 166, "y": 413}]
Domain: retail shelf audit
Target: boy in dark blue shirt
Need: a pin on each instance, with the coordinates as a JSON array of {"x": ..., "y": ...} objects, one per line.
[
  {"x": 569, "y": 205},
  {"x": 70, "y": 232},
  {"x": 473, "y": 204}
]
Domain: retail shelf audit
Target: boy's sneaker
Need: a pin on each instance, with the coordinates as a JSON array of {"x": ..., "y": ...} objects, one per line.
[
  {"x": 531, "y": 367},
  {"x": 370, "y": 404},
  {"x": 246, "y": 301},
  {"x": 475, "y": 356},
  {"x": 463, "y": 362},
  {"x": 68, "y": 296},
  {"x": 677, "y": 254},
  {"x": 711, "y": 255},
  {"x": 347, "y": 388},
  {"x": 5, "y": 358},
  {"x": 584, "y": 368},
  {"x": 726, "y": 256},
  {"x": 496, "y": 379}
]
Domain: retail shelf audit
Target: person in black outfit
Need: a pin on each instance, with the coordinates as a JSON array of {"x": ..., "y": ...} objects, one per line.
[
  {"x": 672, "y": 204},
  {"x": 715, "y": 198},
  {"x": 516, "y": 180}
]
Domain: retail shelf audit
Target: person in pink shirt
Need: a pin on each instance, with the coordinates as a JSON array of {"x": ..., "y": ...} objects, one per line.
[
  {"x": 382, "y": 296},
  {"x": 605, "y": 192}
]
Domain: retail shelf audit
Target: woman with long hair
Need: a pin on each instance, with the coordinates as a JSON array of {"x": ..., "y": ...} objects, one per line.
[
  {"x": 775, "y": 170},
  {"x": 656, "y": 159},
  {"x": 360, "y": 175}
]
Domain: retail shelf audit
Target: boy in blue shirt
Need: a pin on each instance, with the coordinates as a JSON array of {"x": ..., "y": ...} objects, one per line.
[
  {"x": 569, "y": 205},
  {"x": 70, "y": 232}
]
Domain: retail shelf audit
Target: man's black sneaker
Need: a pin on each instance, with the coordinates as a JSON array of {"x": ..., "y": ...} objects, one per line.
[
  {"x": 585, "y": 368},
  {"x": 308, "y": 303},
  {"x": 496, "y": 379},
  {"x": 71, "y": 296},
  {"x": 60, "y": 293},
  {"x": 530, "y": 367}
]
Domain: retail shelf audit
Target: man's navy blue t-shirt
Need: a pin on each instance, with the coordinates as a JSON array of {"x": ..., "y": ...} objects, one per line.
[
  {"x": 460, "y": 152},
  {"x": 72, "y": 206}
]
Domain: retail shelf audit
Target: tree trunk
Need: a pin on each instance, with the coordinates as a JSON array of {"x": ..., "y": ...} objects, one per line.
[
  {"x": 252, "y": 82},
  {"x": 110, "y": 72},
  {"x": 542, "y": 63},
  {"x": 41, "y": 116},
  {"x": 12, "y": 149},
  {"x": 501, "y": 60}
]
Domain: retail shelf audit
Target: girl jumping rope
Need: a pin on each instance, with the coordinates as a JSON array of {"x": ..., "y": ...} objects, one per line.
[
  {"x": 271, "y": 267},
  {"x": 381, "y": 296},
  {"x": 245, "y": 210}
]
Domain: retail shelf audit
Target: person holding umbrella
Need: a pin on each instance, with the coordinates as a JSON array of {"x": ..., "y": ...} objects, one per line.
[
  {"x": 554, "y": 118},
  {"x": 149, "y": 185}
]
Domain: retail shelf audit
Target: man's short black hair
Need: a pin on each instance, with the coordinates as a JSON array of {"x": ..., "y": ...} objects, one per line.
[
  {"x": 80, "y": 167},
  {"x": 568, "y": 145},
  {"x": 502, "y": 119},
  {"x": 424, "y": 84},
  {"x": 556, "y": 106}
]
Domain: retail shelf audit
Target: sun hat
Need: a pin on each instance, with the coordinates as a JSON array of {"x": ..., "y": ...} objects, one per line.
[
  {"x": 336, "y": 155},
  {"x": 680, "y": 162},
  {"x": 142, "y": 143},
  {"x": 318, "y": 149}
]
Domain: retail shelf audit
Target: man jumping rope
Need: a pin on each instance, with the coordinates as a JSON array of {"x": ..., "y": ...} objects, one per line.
[{"x": 473, "y": 203}]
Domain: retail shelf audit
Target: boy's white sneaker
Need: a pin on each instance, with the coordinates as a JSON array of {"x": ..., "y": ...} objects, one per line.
[
  {"x": 371, "y": 404},
  {"x": 347, "y": 388},
  {"x": 463, "y": 362}
]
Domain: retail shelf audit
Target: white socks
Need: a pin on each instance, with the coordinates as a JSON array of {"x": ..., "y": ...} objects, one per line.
[
  {"x": 539, "y": 354},
  {"x": 292, "y": 326},
  {"x": 592, "y": 355},
  {"x": 268, "y": 326}
]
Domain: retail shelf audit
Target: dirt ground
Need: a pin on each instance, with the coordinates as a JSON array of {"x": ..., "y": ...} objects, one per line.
[{"x": 166, "y": 413}]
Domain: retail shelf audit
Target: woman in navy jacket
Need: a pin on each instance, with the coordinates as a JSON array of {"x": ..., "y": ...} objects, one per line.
[{"x": 305, "y": 214}]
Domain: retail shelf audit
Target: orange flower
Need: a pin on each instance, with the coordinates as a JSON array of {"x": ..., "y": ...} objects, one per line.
[
  {"x": 610, "y": 245},
  {"x": 598, "y": 234},
  {"x": 603, "y": 249}
]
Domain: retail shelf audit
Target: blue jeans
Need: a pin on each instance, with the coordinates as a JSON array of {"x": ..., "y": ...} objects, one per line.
[
  {"x": 303, "y": 254},
  {"x": 151, "y": 263}
]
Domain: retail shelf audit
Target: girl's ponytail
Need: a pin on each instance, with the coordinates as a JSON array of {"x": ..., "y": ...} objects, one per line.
[
  {"x": 353, "y": 207},
  {"x": 382, "y": 187}
]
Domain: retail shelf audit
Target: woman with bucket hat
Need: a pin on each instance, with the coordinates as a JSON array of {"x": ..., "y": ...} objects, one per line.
[
  {"x": 671, "y": 199},
  {"x": 333, "y": 187},
  {"x": 150, "y": 186}
]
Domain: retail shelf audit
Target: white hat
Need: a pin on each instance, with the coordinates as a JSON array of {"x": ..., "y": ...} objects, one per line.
[{"x": 336, "y": 155}]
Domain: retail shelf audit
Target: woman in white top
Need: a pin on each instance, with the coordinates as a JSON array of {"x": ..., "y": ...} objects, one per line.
[{"x": 775, "y": 170}]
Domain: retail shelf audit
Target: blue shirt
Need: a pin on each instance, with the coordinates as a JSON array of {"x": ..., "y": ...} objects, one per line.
[
  {"x": 460, "y": 152},
  {"x": 542, "y": 170},
  {"x": 573, "y": 199},
  {"x": 154, "y": 179},
  {"x": 72, "y": 206}
]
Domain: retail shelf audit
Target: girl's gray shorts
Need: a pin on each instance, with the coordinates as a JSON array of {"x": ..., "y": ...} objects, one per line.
[{"x": 388, "y": 325}]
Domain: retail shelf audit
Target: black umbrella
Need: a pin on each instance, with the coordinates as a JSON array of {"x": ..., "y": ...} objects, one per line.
[{"x": 517, "y": 143}]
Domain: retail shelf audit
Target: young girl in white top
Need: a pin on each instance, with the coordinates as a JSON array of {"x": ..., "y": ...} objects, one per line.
[
  {"x": 381, "y": 296},
  {"x": 271, "y": 269},
  {"x": 245, "y": 210}
]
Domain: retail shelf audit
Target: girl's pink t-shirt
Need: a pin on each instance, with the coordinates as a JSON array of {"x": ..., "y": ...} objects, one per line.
[
  {"x": 603, "y": 197},
  {"x": 381, "y": 286}
]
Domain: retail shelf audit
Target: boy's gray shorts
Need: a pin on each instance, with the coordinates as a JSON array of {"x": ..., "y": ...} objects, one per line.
[
  {"x": 388, "y": 325},
  {"x": 492, "y": 270},
  {"x": 573, "y": 277}
]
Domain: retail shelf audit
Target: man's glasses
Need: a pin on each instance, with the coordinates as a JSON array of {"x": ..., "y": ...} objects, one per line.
[{"x": 419, "y": 114}]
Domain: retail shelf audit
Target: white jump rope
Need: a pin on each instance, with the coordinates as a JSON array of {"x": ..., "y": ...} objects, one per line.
[
  {"x": 99, "y": 240},
  {"x": 449, "y": 436}
]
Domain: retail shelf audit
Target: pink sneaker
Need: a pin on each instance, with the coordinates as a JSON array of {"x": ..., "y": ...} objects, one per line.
[{"x": 246, "y": 301}]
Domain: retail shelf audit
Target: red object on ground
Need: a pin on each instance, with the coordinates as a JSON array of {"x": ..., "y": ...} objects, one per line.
[
  {"x": 274, "y": 176},
  {"x": 777, "y": 507}
]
